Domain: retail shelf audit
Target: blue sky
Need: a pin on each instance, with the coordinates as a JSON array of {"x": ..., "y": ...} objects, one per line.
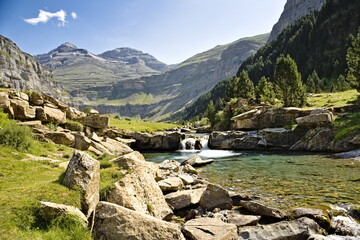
[{"x": 170, "y": 30}]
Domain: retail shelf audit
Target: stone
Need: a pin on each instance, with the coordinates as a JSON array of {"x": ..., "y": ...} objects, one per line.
[
  {"x": 168, "y": 141},
  {"x": 95, "y": 121},
  {"x": 81, "y": 141},
  {"x": 215, "y": 197},
  {"x": 99, "y": 147},
  {"x": 24, "y": 96},
  {"x": 249, "y": 142},
  {"x": 138, "y": 190},
  {"x": 299, "y": 229},
  {"x": 22, "y": 109},
  {"x": 224, "y": 140},
  {"x": 315, "y": 140},
  {"x": 314, "y": 120},
  {"x": 189, "y": 169},
  {"x": 196, "y": 161},
  {"x": 74, "y": 114},
  {"x": 50, "y": 211},
  {"x": 32, "y": 124},
  {"x": 83, "y": 172},
  {"x": 115, "y": 147},
  {"x": 95, "y": 151},
  {"x": 5, "y": 104},
  {"x": 183, "y": 199},
  {"x": 62, "y": 106},
  {"x": 241, "y": 220},
  {"x": 114, "y": 222},
  {"x": 171, "y": 165},
  {"x": 238, "y": 197},
  {"x": 95, "y": 137},
  {"x": 63, "y": 138},
  {"x": 209, "y": 229},
  {"x": 171, "y": 184},
  {"x": 186, "y": 178},
  {"x": 262, "y": 210},
  {"x": 345, "y": 226},
  {"x": 317, "y": 215},
  {"x": 51, "y": 115},
  {"x": 36, "y": 99}
]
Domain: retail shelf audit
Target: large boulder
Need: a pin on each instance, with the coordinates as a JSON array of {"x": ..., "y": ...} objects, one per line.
[
  {"x": 215, "y": 197},
  {"x": 48, "y": 99},
  {"x": 300, "y": 229},
  {"x": 317, "y": 117},
  {"x": 280, "y": 138},
  {"x": 196, "y": 161},
  {"x": 81, "y": 141},
  {"x": 63, "y": 138},
  {"x": 115, "y": 147},
  {"x": 22, "y": 109},
  {"x": 317, "y": 215},
  {"x": 183, "y": 199},
  {"x": 49, "y": 114},
  {"x": 224, "y": 140},
  {"x": 50, "y": 211},
  {"x": 318, "y": 139},
  {"x": 262, "y": 210},
  {"x": 209, "y": 229},
  {"x": 241, "y": 220},
  {"x": 157, "y": 141},
  {"x": 5, "y": 104},
  {"x": 74, "y": 114},
  {"x": 114, "y": 222},
  {"x": 95, "y": 121},
  {"x": 83, "y": 172},
  {"x": 171, "y": 184},
  {"x": 248, "y": 142},
  {"x": 138, "y": 190},
  {"x": 36, "y": 98}
]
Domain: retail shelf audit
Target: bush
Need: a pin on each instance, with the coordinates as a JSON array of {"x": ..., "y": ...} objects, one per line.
[
  {"x": 4, "y": 120},
  {"x": 51, "y": 126},
  {"x": 73, "y": 126},
  {"x": 18, "y": 137}
]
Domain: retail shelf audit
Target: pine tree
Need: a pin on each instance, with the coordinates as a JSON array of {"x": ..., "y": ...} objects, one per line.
[
  {"x": 265, "y": 91},
  {"x": 245, "y": 86},
  {"x": 211, "y": 113},
  {"x": 353, "y": 62},
  {"x": 289, "y": 82},
  {"x": 313, "y": 83}
]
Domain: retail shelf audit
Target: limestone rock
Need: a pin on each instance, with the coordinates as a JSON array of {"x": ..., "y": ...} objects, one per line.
[
  {"x": 115, "y": 222},
  {"x": 115, "y": 147},
  {"x": 262, "y": 210},
  {"x": 63, "y": 138},
  {"x": 248, "y": 142},
  {"x": 83, "y": 171},
  {"x": 48, "y": 114},
  {"x": 314, "y": 120},
  {"x": 36, "y": 98},
  {"x": 138, "y": 190},
  {"x": 186, "y": 178},
  {"x": 49, "y": 211},
  {"x": 241, "y": 220},
  {"x": 224, "y": 140},
  {"x": 5, "y": 104},
  {"x": 299, "y": 229},
  {"x": 197, "y": 161},
  {"x": 171, "y": 165},
  {"x": 209, "y": 229},
  {"x": 62, "y": 106},
  {"x": 95, "y": 121},
  {"x": 74, "y": 114},
  {"x": 156, "y": 141},
  {"x": 215, "y": 197},
  {"x": 81, "y": 141},
  {"x": 317, "y": 215},
  {"x": 22, "y": 109},
  {"x": 182, "y": 199},
  {"x": 345, "y": 226},
  {"x": 189, "y": 169},
  {"x": 171, "y": 184},
  {"x": 318, "y": 139}
]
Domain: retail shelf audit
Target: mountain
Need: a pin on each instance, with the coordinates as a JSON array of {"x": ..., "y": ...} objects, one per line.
[
  {"x": 89, "y": 75},
  {"x": 21, "y": 71},
  {"x": 158, "y": 96},
  {"x": 317, "y": 41},
  {"x": 293, "y": 10}
]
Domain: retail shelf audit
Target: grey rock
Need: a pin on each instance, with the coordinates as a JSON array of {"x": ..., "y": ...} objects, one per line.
[
  {"x": 262, "y": 210},
  {"x": 215, "y": 197},
  {"x": 182, "y": 199},
  {"x": 197, "y": 161},
  {"x": 241, "y": 220},
  {"x": 171, "y": 184}
]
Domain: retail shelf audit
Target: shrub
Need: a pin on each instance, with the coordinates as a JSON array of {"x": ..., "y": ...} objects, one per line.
[
  {"x": 51, "y": 126},
  {"x": 4, "y": 120},
  {"x": 73, "y": 125},
  {"x": 18, "y": 137}
]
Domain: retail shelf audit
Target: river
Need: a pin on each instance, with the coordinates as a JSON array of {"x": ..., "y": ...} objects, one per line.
[{"x": 279, "y": 179}]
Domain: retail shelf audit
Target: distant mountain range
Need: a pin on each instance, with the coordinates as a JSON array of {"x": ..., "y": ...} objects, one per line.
[{"x": 81, "y": 71}]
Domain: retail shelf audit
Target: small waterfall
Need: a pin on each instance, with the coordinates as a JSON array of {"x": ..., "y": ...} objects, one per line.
[{"x": 194, "y": 143}]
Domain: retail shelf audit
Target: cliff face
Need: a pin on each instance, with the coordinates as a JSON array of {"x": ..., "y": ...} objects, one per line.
[
  {"x": 21, "y": 71},
  {"x": 293, "y": 10}
]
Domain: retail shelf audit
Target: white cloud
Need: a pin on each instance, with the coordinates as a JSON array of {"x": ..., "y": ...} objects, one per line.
[
  {"x": 46, "y": 16},
  {"x": 74, "y": 15}
]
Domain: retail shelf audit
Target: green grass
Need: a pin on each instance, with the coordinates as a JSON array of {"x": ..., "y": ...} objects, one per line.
[
  {"x": 134, "y": 99},
  {"x": 336, "y": 99},
  {"x": 347, "y": 126},
  {"x": 138, "y": 125}
]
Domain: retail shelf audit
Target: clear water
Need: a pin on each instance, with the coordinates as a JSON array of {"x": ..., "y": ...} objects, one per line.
[{"x": 281, "y": 180}]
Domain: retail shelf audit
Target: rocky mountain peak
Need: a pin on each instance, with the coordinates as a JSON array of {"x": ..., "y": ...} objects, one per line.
[
  {"x": 293, "y": 10},
  {"x": 66, "y": 47}
]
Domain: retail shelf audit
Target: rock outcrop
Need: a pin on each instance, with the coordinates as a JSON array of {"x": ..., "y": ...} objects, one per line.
[
  {"x": 113, "y": 222},
  {"x": 215, "y": 197},
  {"x": 84, "y": 172}
]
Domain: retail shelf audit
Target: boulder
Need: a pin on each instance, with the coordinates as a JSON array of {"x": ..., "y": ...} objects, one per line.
[
  {"x": 168, "y": 141},
  {"x": 196, "y": 161},
  {"x": 74, "y": 114},
  {"x": 186, "y": 178},
  {"x": 215, "y": 197},
  {"x": 22, "y": 109},
  {"x": 48, "y": 114},
  {"x": 36, "y": 99},
  {"x": 83, "y": 172},
  {"x": 299, "y": 229},
  {"x": 238, "y": 197},
  {"x": 5, "y": 104},
  {"x": 50, "y": 211},
  {"x": 170, "y": 165},
  {"x": 93, "y": 136},
  {"x": 315, "y": 120},
  {"x": 114, "y": 222},
  {"x": 62, "y": 106},
  {"x": 189, "y": 169},
  {"x": 99, "y": 147},
  {"x": 95, "y": 121},
  {"x": 345, "y": 226},
  {"x": 209, "y": 229},
  {"x": 183, "y": 199},
  {"x": 171, "y": 184},
  {"x": 262, "y": 210},
  {"x": 241, "y": 220},
  {"x": 317, "y": 215},
  {"x": 63, "y": 138},
  {"x": 115, "y": 147},
  {"x": 138, "y": 190},
  {"x": 318, "y": 139},
  {"x": 81, "y": 141},
  {"x": 32, "y": 124},
  {"x": 224, "y": 140},
  {"x": 248, "y": 142},
  {"x": 280, "y": 138}
]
